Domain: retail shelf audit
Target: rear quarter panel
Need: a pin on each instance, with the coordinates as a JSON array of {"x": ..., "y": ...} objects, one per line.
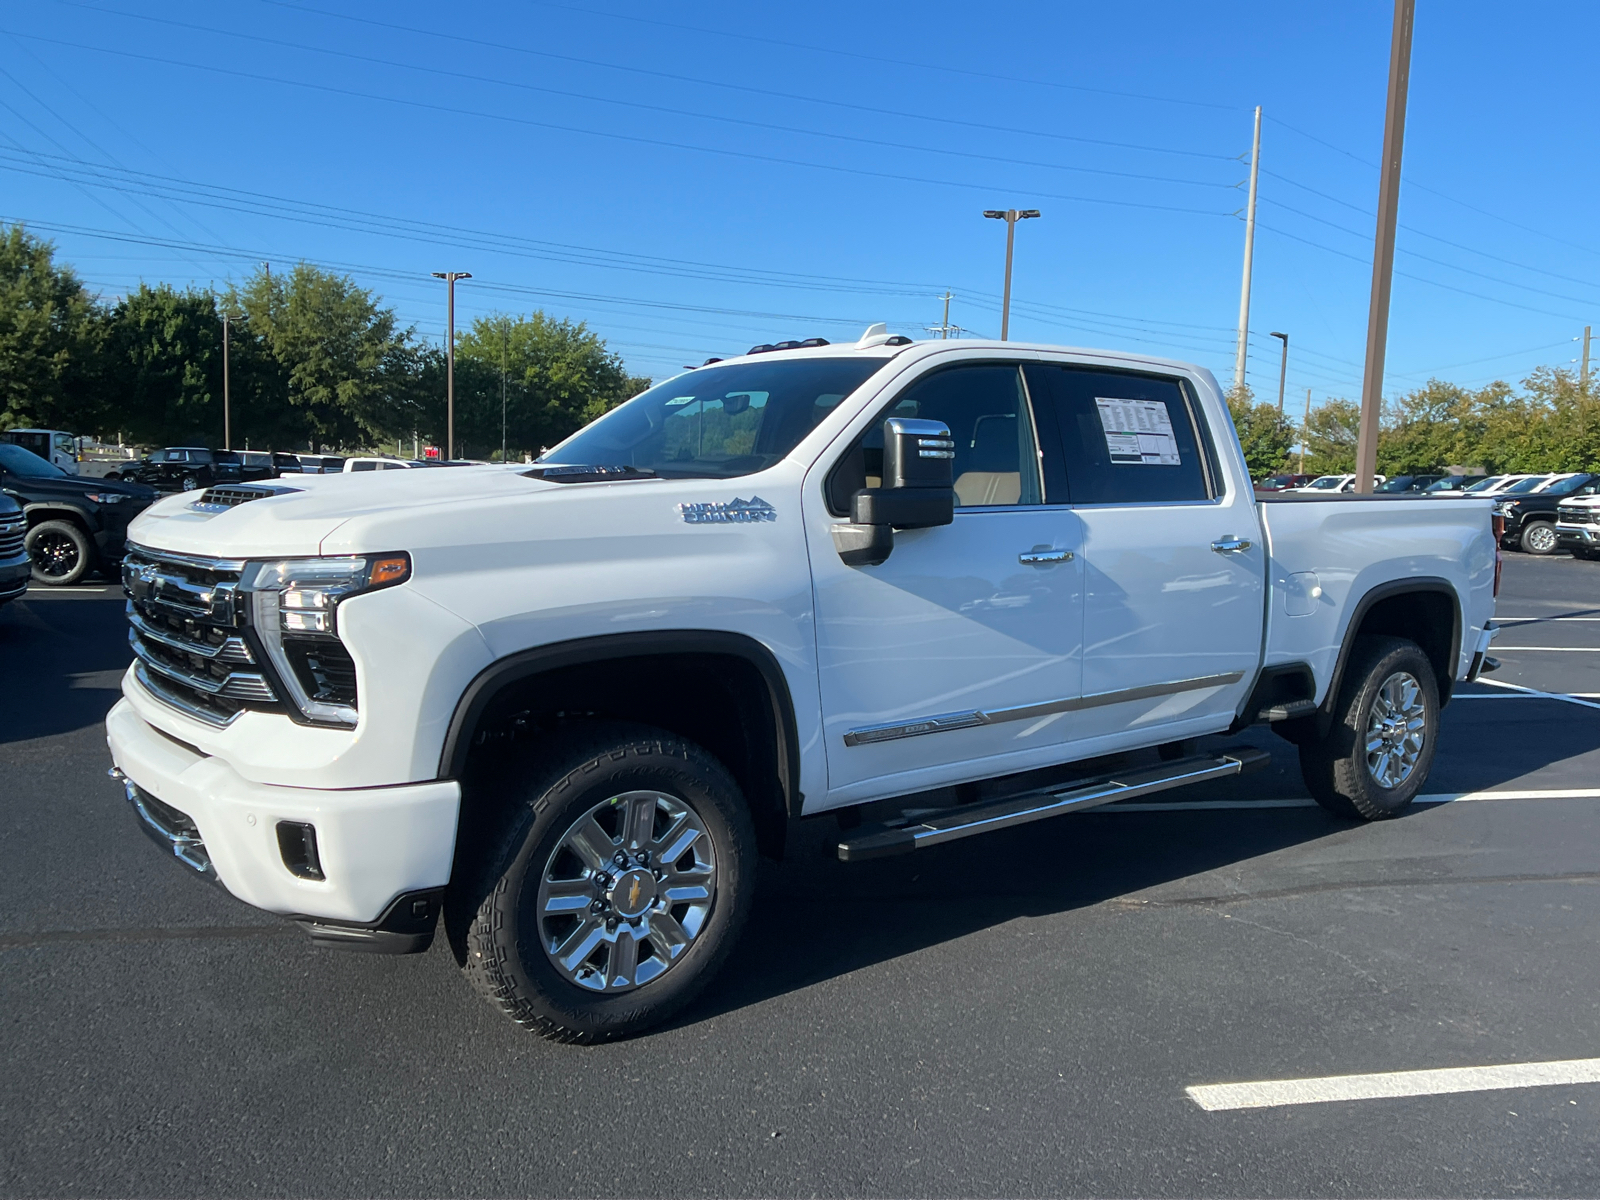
[{"x": 1325, "y": 555}]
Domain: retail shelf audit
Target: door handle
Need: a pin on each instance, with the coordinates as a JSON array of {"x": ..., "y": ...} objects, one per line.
[
  {"x": 1230, "y": 545},
  {"x": 1034, "y": 557}
]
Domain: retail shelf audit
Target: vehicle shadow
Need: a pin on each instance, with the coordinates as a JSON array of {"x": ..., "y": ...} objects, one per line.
[
  {"x": 816, "y": 918},
  {"x": 61, "y": 663}
]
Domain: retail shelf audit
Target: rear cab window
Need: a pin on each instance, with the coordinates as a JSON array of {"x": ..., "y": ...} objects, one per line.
[{"x": 1120, "y": 437}]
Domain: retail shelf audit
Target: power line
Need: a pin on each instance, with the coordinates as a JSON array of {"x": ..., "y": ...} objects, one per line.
[{"x": 876, "y": 142}]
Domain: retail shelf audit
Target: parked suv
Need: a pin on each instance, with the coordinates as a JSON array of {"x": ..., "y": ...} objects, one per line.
[
  {"x": 75, "y": 523},
  {"x": 1530, "y": 510},
  {"x": 1407, "y": 483},
  {"x": 15, "y": 566},
  {"x": 249, "y": 465},
  {"x": 185, "y": 468},
  {"x": 1282, "y": 483}
]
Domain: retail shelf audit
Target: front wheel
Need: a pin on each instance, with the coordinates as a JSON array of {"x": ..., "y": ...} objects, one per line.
[
  {"x": 62, "y": 553},
  {"x": 1378, "y": 751},
  {"x": 612, "y": 888},
  {"x": 1539, "y": 538}
]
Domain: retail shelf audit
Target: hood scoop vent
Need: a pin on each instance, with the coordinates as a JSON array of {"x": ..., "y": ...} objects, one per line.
[
  {"x": 588, "y": 474},
  {"x": 221, "y": 499}
]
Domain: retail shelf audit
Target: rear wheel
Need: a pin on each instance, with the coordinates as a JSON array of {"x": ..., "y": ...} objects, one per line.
[
  {"x": 611, "y": 889},
  {"x": 1539, "y": 538},
  {"x": 1379, "y": 749},
  {"x": 61, "y": 552},
  {"x": 190, "y": 483}
]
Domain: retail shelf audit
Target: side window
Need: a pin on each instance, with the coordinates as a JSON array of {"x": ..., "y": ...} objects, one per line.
[
  {"x": 986, "y": 410},
  {"x": 364, "y": 466},
  {"x": 1125, "y": 438}
]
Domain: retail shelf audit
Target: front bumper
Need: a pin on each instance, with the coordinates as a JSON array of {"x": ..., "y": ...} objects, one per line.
[
  {"x": 14, "y": 576},
  {"x": 375, "y": 845},
  {"x": 1577, "y": 535}
]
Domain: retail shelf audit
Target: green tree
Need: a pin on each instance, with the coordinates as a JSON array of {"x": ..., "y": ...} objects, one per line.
[
  {"x": 1265, "y": 434},
  {"x": 162, "y": 366},
  {"x": 50, "y": 331},
  {"x": 559, "y": 377},
  {"x": 325, "y": 361},
  {"x": 1330, "y": 436}
]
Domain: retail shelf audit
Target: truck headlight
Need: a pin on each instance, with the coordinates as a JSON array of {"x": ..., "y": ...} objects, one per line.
[{"x": 294, "y": 609}]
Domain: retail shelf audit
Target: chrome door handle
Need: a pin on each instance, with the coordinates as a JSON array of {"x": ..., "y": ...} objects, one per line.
[
  {"x": 1033, "y": 557},
  {"x": 1230, "y": 545}
]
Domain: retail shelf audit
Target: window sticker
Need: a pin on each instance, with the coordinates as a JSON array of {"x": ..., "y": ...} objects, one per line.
[{"x": 1138, "y": 432}]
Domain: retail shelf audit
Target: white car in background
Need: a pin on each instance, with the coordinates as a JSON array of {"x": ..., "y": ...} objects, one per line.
[
  {"x": 378, "y": 464},
  {"x": 1496, "y": 484},
  {"x": 1324, "y": 484}
]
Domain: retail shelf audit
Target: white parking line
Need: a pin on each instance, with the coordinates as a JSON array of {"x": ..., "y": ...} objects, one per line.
[
  {"x": 1528, "y": 691},
  {"x": 1502, "y": 620},
  {"x": 1556, "y": 649},
  {"x": 1271, "y": 1093},
  {"x": 1307, "y": 802}
]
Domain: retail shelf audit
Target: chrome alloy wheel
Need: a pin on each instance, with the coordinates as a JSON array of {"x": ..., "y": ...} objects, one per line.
[
  {"x": 626, "y": 891},
  {"x": 1541, "y": 538},
  {"x": 1396, "y": 729}
]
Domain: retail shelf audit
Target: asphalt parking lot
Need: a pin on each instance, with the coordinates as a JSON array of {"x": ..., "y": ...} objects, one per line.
[{"x": 1019, "y": 1014}]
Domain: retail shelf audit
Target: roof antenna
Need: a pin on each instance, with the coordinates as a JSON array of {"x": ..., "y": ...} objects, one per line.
[{"x": 879, "y": 330}]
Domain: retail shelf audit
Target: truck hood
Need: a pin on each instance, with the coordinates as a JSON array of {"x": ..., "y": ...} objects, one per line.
[{"x": 293, "y": 516}]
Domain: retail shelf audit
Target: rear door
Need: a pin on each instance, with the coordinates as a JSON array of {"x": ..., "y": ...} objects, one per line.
[
  {"x": 1173, "y": 568},
  {"x": 958, "y": 657}
]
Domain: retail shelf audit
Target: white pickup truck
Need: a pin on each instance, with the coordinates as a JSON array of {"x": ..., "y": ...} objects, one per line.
[{"x": 570, "y": 704}]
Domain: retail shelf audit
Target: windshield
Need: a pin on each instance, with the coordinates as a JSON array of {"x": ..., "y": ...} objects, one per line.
[
  {"x": 1327, "y": 481},
  {"x": 26, "y": 463},
  {"x": 1522, "y": 487},
  {"x": 1564, "y": 487},
  {"x": 718, "y": 422},
  {"x": 1400, "y": 483},
  {"x": 1483, "y": 484}
]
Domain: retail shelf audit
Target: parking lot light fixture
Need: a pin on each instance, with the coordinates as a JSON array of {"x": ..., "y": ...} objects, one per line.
[
  {"x": 450, "y": 278},
  {"x": 1010, "y": 216}
]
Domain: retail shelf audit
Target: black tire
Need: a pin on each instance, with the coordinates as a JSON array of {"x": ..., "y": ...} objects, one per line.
[
  {"x": 492, "y": 917},
  {"x": 1538, "y": 537},
  {"x": 1336, "y": 767},
  {"x": 62, "y": 553}
]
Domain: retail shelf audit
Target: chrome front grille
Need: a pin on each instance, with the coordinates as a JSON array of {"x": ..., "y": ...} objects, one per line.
[
  {"x": 1577, "y": 514},
  {"x": 186, "y": 630},
  {"x": 12, "y": 532}
]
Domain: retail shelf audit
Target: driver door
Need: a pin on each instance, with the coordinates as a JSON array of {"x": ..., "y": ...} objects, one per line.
[{"x": 958, "y": 657}]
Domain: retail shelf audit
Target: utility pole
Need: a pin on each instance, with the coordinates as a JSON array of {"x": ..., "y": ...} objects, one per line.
[
  {"x": 944, "y": 329},
  {"x": 1283, "y": 370},
  {"x": 1249, "y": 254},
  {"x": 944, "y": 325},
  {"x": 227, "y": 405},
  {"x": 1304, "y": 426},
  {"x": 1010, "y": 216},
  {"x": 1394, "y": 132},
  {"x": 1583, "y": 375},
  {"x": 505, "y": 335},
  {"x": 450, "y": 278}
]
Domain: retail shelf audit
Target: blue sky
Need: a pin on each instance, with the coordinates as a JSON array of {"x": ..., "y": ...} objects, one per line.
[{"x": 694, "y": 179}]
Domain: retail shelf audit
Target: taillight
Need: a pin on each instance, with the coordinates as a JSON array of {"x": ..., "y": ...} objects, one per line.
[{"x": 1497, "y": 523}]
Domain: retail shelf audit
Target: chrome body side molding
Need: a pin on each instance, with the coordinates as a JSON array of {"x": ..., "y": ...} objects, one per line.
[{"x": 869, "y": 734}]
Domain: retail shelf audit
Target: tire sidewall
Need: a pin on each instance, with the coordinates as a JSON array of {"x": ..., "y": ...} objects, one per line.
[
  {"x": 1528, "y": 532},
  {"x": 508, "y": 918},
  {"x": 1383, "y": 659},
  {"x": 84, "y": 546}
]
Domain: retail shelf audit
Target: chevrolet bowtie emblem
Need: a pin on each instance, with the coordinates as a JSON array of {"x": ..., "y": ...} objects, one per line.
[{"x": 633, "y": 893}]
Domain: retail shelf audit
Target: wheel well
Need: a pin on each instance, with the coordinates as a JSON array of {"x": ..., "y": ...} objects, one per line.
[
  {"x": 1427, "y": 618},
  {"x": 723, "y": 702},
  {"x": 38, "y": 515}
]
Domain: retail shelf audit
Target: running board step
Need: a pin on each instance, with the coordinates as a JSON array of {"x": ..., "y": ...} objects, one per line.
[
  {"x": 1288, "y": 710},
  {"x": 970, "y": 820}
]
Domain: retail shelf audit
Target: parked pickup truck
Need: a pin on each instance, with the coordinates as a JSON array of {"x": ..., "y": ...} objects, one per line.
[{"x": 569, "y": 704}]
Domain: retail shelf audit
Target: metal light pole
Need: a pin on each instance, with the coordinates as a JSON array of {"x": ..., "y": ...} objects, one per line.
[
  {"x": 450, "y": 278},
  {"x": 1010, "y": 216},
  {"x": 1394, "y": 132},
  {"x": 227, "y": 406},
  {"x": 1583, "y": 373},
  {"x": 1249, "y": 254},
  {"x": 505, "y": 336},
  {"x": 1283, "y": 370},
  {"x": 1305, "y": 426}
]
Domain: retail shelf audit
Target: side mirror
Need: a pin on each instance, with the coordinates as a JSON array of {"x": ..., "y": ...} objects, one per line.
[{"x": 918, "y": 464}]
